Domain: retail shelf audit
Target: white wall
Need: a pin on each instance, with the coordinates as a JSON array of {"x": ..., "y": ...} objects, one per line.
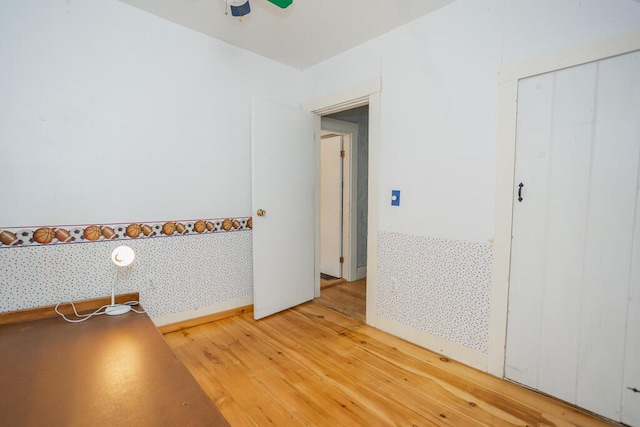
[
  {"x": 438, "y": 130},
  {"x": 111, "y": 115}
]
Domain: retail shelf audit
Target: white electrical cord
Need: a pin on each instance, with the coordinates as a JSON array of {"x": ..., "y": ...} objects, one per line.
[
  {"x": 83, "y": 317},
  {"x": 132, "y": 304}
]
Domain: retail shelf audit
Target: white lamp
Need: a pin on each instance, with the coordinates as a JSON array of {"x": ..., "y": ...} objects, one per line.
[{"x": 122, "y": 256}]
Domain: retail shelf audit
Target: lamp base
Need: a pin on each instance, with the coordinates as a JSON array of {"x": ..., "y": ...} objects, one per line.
[{"x": 114, "y": 310}]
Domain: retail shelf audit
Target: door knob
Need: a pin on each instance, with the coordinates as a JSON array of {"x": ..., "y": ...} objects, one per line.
[{"x": 261, "y": 212}]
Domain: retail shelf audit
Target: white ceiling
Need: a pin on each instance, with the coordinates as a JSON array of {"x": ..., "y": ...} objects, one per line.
[{"x": 304, "y": 34}]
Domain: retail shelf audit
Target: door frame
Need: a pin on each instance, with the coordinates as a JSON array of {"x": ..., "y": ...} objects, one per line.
[
  {"x": 349, "y": 193},
  {"x": 367, "y": 92},
  {"x": 505, "y": 160}
]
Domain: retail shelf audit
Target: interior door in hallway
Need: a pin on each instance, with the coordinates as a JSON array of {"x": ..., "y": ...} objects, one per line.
[
  {"x": 331, "y": 196},
  {"x": 575, "y": 260},
  {"x": 283, "y": 153}
]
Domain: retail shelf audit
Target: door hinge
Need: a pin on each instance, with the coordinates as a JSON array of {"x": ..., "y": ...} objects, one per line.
[
  {"x": 341, "y": 260},
  {"x": 342, "y": 153}
]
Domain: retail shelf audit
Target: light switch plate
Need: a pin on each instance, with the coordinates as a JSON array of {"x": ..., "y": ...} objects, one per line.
[{"x": 395, "y": 197}]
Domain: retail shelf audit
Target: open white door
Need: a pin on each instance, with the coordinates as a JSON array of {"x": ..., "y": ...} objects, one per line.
[
  {"x": 283, "y": 179},
  {"x": 331, "y": 205}
]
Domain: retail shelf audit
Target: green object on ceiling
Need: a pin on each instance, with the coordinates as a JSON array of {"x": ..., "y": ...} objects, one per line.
[{"x": 282, "y": 3}]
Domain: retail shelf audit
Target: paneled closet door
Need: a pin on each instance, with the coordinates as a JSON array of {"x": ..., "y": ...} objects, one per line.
[{"x": 573, "y": 329}]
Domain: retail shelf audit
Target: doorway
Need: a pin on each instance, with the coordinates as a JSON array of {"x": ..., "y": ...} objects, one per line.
[{"x": 344, "y": 211}]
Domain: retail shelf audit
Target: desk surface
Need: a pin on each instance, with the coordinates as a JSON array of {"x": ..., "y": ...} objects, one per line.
[{"x": 109, "y": 370}]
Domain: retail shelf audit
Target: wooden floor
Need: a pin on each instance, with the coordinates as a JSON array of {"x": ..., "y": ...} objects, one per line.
[
  {"x": 348, "y": 298},
  {"x": 311, "y": 366},
  {"x": 327, "y": 283}
]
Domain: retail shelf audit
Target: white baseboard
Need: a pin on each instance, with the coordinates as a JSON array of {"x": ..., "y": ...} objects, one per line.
[
  {"x": 201, "y": 311},
  {"x": 454, "y": 351}
]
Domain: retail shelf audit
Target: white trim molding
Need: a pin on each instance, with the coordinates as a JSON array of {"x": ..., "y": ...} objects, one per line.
[
  {"x": 457, "y": 352},
  {"x": 201, "y": 311},
  {"x": 348, "y": 98}
]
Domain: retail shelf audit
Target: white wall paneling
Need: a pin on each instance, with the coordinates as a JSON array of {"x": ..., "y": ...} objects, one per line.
[{"x": 578, "y": 155}]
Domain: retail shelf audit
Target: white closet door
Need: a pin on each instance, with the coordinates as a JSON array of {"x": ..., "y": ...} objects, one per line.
[
  {"x": 573, "y": 257},
  {"x": 631, "y": 385}
]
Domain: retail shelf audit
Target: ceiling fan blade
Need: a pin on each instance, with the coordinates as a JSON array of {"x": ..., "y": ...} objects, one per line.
[{"x": 281, "y": 3}]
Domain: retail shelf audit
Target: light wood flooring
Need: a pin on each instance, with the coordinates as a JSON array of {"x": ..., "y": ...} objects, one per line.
[
  {"x": 327, "y": 283},
  {"x": 311, "y": 366},
  {"x": 348, "y": 298}
]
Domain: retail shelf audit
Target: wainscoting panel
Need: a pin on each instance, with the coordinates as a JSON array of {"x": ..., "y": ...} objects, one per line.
[
  {"x": 173, "y": 274},
  {"x": 437, "y": 286}
]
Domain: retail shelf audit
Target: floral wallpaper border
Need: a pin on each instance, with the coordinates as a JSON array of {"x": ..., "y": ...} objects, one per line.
[{"x": 11, "y": 237}]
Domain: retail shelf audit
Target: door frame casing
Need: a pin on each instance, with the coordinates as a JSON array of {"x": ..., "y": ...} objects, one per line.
[
  {"x": 367, "y": 92},
  {"x": 350, "y": 193},
  {"x": 505, "y": 160}
]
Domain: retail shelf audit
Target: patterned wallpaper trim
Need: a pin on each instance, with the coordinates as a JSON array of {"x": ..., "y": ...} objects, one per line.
[{"x": 11, "y": 237}]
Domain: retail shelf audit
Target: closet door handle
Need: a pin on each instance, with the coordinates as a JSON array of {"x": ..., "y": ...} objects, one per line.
[{"x": 520, "y": 191}]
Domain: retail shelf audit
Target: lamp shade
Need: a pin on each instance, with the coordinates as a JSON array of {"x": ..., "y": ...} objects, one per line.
[{"x": 123, "y": 256}]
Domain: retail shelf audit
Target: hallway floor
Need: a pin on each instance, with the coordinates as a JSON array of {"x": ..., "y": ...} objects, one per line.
[{"x": 348, "y": 298}]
